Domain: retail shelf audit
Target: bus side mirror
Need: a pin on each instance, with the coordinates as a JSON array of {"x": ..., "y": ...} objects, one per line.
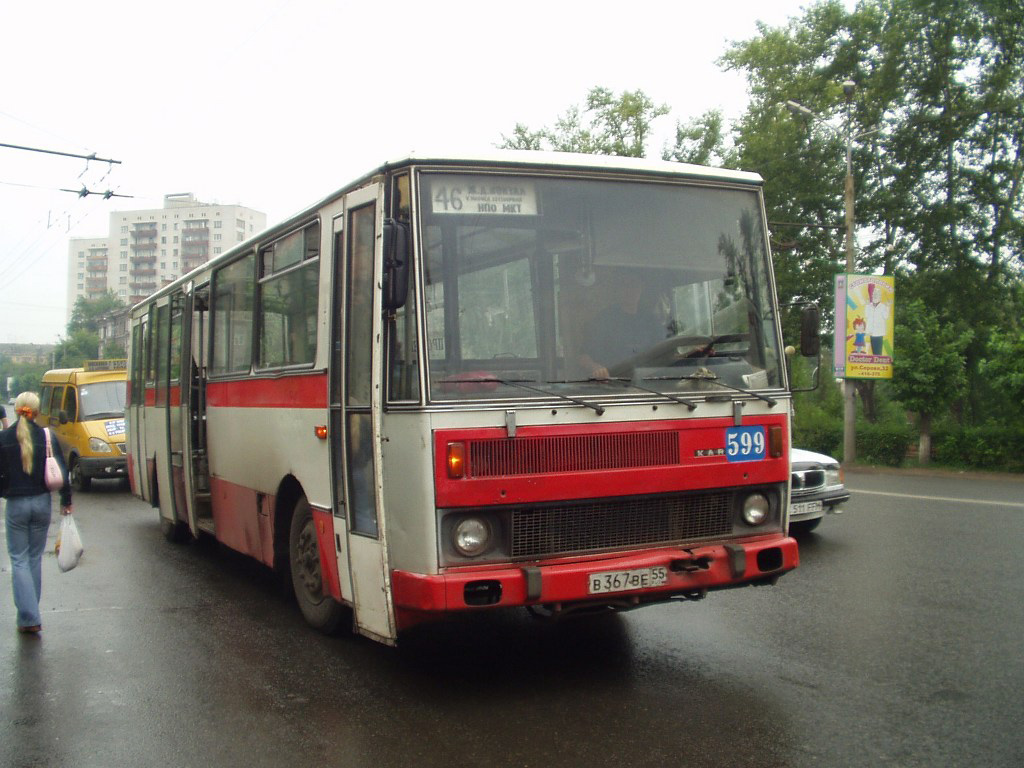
[
  {"x": 396, "y": 263},
  {"x": 62, "y": 417},
  {"x": 810, "y": 334}
]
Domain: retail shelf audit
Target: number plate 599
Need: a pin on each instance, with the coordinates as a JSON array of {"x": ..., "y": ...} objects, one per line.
[{"x": 744, "y": 443}]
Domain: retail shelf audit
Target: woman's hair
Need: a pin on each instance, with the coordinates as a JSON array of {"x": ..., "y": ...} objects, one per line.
[{"x": 26, "y": 402}]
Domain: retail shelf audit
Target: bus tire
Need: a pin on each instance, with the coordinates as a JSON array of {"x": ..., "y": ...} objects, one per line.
[
  {"x": 174, "y": 531},
  {"x": 320, "y": 611},
  {"x": 79, "y": 481}
]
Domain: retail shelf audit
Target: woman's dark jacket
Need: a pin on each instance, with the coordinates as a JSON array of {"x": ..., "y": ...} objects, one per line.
[{"x": 13, "y": 480}]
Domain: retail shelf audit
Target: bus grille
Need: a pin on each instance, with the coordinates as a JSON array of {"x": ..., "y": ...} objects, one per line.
[
  {"x": 572, "y": 453},
  {"x": 629, "y": 522}
]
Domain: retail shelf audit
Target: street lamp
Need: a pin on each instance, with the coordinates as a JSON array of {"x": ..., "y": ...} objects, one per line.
[{"x": 849, "y": 406}]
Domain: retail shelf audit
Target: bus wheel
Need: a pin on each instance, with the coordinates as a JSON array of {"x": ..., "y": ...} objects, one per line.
[
  {"x": 320, "y": 611},
  {"x": 79, "y": 481},
  {"x": 175, "y": 532}
]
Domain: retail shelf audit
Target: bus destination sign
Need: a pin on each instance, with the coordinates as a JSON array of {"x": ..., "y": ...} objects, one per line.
[{"x": 475, "y": 195}]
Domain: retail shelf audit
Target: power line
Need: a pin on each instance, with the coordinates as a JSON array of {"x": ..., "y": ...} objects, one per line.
[{"x": 62, "y": 154}]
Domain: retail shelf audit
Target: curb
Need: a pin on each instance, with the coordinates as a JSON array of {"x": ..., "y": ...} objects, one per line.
[{"x": 966, "y": 474}]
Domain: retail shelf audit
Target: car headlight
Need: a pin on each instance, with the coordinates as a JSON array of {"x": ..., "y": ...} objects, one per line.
[
  {"x": 756, "y": 509},
  {"x": 471, "y": 536},
  {"x": 99, "y": 446},
  {"x": 833, "y": 476}
]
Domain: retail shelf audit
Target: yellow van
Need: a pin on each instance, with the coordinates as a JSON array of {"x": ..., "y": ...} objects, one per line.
[{"x": 84, "y": 409}]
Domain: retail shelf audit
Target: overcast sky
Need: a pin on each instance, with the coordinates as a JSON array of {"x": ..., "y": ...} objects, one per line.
[{"x": 274, "y": 104}]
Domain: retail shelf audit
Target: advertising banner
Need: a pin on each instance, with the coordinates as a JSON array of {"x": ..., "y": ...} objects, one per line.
[{"x": 864, "y": 326}]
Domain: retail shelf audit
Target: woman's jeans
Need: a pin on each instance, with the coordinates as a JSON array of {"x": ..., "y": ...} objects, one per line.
[{"x": 28, "y": 520}]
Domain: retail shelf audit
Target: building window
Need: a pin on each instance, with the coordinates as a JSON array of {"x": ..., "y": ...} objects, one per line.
[{"x": 216, "y": 224}]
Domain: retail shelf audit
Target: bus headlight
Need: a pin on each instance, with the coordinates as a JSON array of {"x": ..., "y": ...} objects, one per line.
[
  {"x": 98, "y": 446},
  {"x": 756, "y": 509},
  {"x": 471, "y": 536}
]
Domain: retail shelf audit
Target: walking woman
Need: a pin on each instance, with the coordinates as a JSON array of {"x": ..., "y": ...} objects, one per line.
[{"x": 22, "y": 459}]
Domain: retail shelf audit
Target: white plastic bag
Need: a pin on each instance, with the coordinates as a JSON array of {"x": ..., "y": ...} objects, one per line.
[{"x": 69, "y": 544}]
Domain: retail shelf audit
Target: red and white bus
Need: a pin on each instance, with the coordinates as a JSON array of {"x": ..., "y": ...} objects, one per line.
[{"x": 461, "y": 384}]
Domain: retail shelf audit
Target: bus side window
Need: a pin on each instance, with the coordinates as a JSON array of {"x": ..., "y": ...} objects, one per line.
[{"x": 71, "y": 404}]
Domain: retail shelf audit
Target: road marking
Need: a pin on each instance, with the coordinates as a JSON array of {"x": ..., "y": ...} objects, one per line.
[{"x": 939, "y": 498}]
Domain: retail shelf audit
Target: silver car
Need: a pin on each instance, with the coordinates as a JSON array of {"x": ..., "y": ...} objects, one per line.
[{"x": 817, "y": 490}]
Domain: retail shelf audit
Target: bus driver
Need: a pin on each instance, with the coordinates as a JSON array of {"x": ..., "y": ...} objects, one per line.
[{"x": 622, "y": 330}]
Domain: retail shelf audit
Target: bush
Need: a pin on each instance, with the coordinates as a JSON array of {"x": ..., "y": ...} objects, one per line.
[
  {"x": 884, "y": 444},
  {"x": 988, "y": 447}
]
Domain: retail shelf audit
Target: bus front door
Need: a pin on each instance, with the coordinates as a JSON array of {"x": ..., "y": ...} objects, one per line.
[{"x": 357, "y": 453}]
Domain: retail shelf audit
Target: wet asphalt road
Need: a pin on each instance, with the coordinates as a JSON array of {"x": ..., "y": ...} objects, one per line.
[{"x": 898, "y": 642}]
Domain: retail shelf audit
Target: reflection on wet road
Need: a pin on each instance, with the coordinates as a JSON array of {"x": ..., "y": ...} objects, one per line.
[{"x": 896, "y": 642}]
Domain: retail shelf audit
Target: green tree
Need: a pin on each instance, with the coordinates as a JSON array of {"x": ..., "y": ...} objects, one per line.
[
  {"x": 87, "y": 314},
  {"x": 702, "y": 141},
  {"x": 607, "y": 125},
  {"x": 79, "y": 346},
  {"x": 939, "y": 116},
  {"x": 929, "y": 370}
]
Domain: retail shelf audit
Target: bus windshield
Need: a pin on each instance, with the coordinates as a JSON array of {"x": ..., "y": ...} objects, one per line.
[
  {"x": 570, "y": 285},
  {"x": 102, "y": 400}
]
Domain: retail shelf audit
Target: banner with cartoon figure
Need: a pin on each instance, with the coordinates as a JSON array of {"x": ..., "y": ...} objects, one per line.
[{"x": 864, "y": 326}]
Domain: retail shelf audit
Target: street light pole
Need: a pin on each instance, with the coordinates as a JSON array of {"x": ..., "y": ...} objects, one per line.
[{"x": 849, "y": 404}]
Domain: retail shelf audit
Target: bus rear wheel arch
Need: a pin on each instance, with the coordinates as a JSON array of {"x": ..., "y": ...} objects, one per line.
[{"x": 319, "y": 609}]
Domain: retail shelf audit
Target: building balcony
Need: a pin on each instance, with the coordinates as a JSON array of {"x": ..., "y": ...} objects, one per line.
[
  {"x": 149, "y": 232},
  {"x": 96, "y": 266},
  {"x": 142, "y": 272},
  {"x": 146, "y": 287},
  {"x": 146, "y": 246},
  {"x": 94, "y": 283},
  {"x": 144, "y": 258}
]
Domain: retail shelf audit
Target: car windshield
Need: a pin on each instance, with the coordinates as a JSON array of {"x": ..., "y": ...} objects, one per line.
[
  {"x": 102, "y": 400},
  {"x": 574, "y": 285}
]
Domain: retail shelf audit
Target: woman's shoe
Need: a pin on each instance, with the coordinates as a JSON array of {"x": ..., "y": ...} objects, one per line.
[{"x": 35, "y": 629}]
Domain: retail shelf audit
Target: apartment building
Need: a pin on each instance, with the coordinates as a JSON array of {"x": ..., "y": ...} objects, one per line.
[{"x": 148, "y": 249}]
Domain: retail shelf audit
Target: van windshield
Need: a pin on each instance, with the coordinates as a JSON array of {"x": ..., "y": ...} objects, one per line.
[{"x": 103, "y": 400}]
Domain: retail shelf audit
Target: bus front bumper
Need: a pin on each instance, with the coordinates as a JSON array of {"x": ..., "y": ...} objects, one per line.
[{"x": 601, "y": 581}]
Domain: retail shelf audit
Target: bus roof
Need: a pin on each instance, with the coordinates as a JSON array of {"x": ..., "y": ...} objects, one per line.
[
  {"x": 513, "y": 160},
  {"x": 518, "y": 158}
]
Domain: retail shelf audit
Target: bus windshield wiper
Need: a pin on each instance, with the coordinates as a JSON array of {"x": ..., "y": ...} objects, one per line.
[
  {"x": 525, "y": 384},
  {"x": 630, "y": 383},
  {"x": 708, "y": 376}
]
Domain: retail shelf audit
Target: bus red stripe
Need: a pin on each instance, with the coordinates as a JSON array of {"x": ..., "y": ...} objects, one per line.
[{"x": 309, "y": 391}]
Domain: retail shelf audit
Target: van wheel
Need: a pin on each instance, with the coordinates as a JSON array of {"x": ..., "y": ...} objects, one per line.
[
  {"x": 79, "y": 481},
  {"x": 320, "y": 610},
  {"x": 804, "y": 527}
]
